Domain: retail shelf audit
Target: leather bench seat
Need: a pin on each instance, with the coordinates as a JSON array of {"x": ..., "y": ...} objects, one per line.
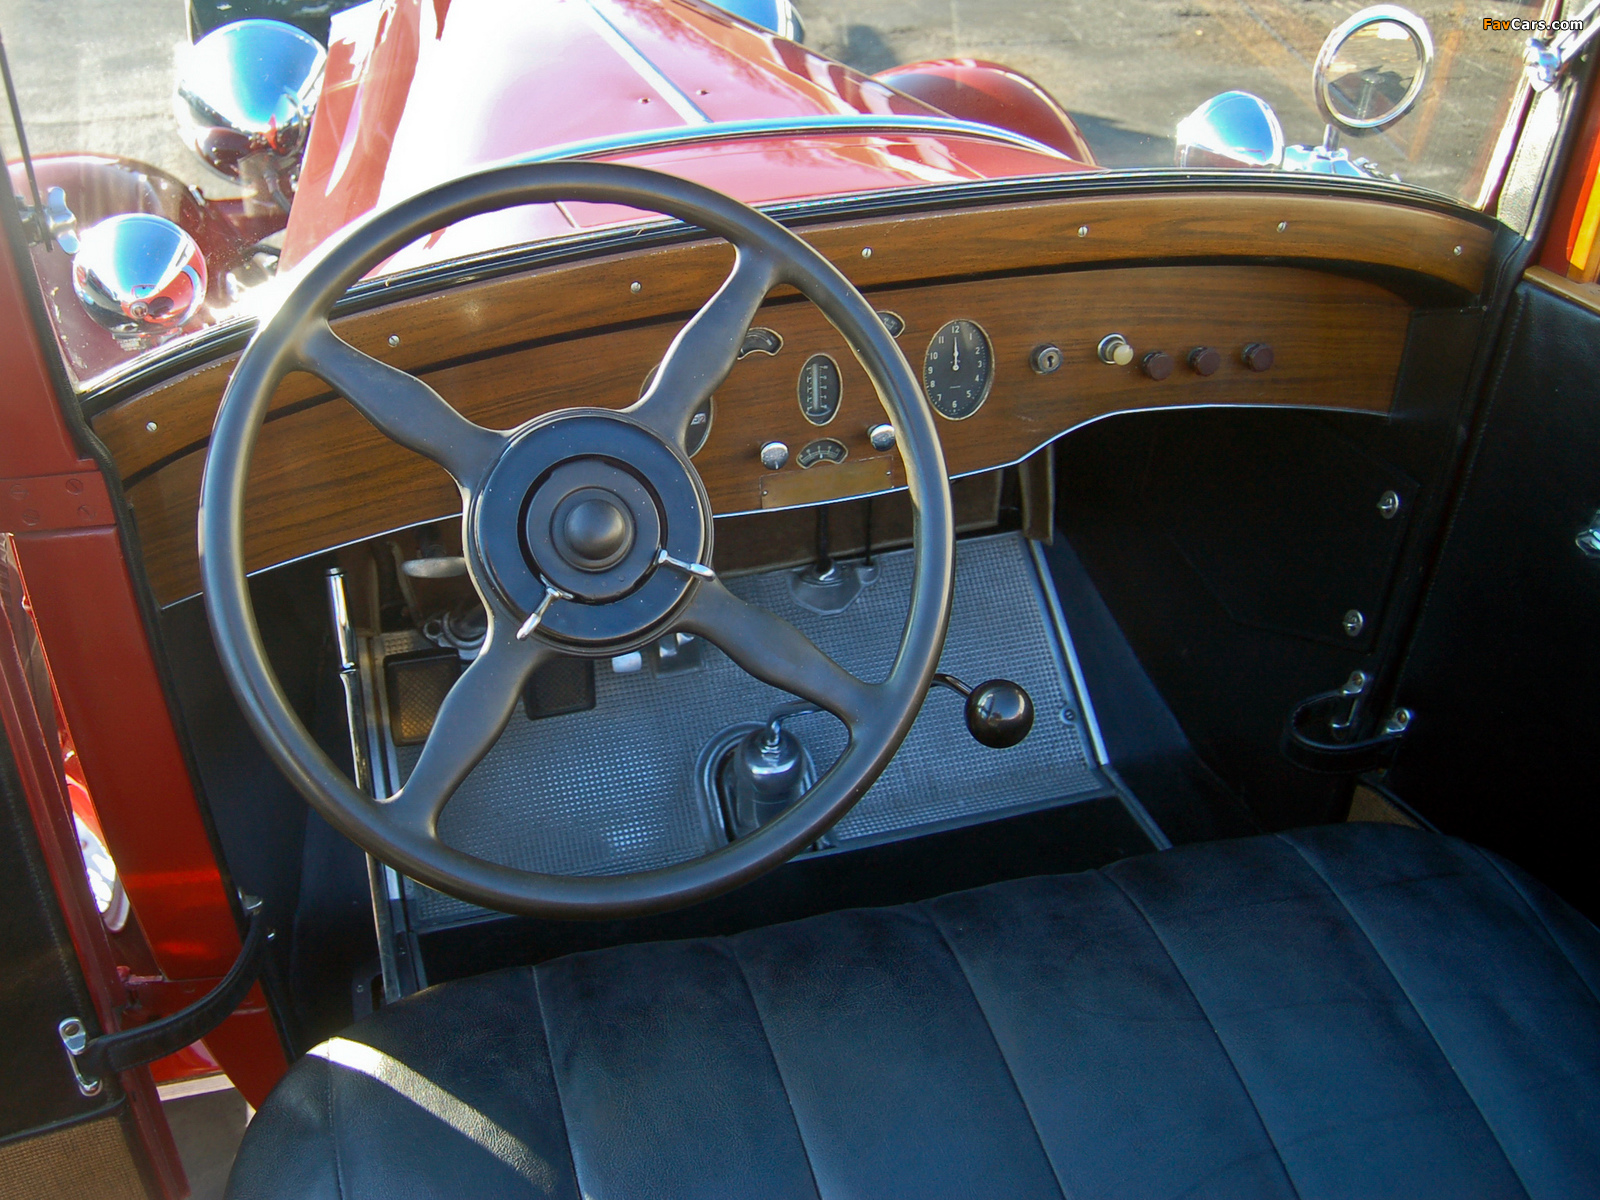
[{"x": 1358, "y": 1010}]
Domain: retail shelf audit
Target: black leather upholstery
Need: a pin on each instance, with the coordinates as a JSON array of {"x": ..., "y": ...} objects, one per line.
[{"x": 1360, "y": 1010}]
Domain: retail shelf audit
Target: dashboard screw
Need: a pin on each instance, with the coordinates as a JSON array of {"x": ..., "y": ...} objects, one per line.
[
  {"x": 866, "y": 252},
  {"x": 394, "y": 340},
  {"x": 1389, "y": 505},
  {"x": 635, "y": 287},
  {"x": 1354, "y": 622},
  {"x": 1283, "y": 227},
  {"x": 1457, "y": 251},
  {"x": 151, "y": 427},
  {"x": 1083, "y": 231}
]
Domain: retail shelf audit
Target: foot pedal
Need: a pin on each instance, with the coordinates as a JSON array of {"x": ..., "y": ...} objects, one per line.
[{"x": 563, "y": 685}]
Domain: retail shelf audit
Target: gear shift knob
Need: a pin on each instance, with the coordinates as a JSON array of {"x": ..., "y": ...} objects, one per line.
[{"x": 999, "y": 712}]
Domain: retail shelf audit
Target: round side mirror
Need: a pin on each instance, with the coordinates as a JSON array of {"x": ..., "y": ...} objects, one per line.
[
  {"x": 139, "y": 275},
  {"x": 1234, "y": 129},
  {"x": 246, "y": 96},
  {"x": 1372, "y": 68}
]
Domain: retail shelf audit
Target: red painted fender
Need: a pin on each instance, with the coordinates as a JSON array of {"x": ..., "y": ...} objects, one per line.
[{"x": 975, "y": 90}]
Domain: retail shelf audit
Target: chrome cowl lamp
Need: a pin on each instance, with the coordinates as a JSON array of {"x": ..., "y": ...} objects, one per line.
[
  {"x": 139, "y": 275},
  {"x": 246, "y": 95}
]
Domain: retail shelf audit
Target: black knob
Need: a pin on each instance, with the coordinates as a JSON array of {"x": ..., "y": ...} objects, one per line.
[
  {"x": 999, "y": 713},
  {"x": 1157, "y": 364},
  {"x": 1205, "y": 360},
  {"x": 1258, "y": 356}
]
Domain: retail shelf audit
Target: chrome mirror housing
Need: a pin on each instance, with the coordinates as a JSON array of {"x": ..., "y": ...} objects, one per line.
[
  {"x": 1234, "y": 129},
  {"x": 139, "y": 275},
  {"x": 246, "y": 95},
  {"x": 1372, "y": 68},
  {"x": 1368, "y": 75}
]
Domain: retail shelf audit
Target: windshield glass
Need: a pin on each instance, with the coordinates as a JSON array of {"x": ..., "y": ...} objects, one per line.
[{"x": 202, "y": 146}]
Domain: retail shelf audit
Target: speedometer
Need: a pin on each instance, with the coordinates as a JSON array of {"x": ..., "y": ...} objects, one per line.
[{"x": 958, "y": 370}]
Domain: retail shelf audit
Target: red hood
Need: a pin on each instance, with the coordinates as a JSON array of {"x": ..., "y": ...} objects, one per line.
[{"x": 420, "y": 91}]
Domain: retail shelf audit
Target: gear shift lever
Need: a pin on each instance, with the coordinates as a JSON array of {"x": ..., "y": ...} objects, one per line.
[{"x": 999, "y": 713}]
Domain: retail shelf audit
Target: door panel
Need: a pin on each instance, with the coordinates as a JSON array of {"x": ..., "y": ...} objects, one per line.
[{"x": 1503, "y": 673}]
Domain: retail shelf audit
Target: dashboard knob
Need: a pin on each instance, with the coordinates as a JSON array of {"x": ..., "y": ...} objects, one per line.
[
  {"x": 1258, "y": 356},
  {"x": 881, "y": 436},
  {"x": 1205, "y": 360},
  {"x": 1115, "y": 351},
  {"x": 1157, "y": 364},
  {"x": 774, "y": 455},
  {"x": 1045, "y": 360}
]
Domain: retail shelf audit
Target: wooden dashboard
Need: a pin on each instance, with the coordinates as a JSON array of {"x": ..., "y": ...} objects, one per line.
[{"x": 1065, "y": 273}]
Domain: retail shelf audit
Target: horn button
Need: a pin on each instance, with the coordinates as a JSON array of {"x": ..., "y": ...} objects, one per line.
[
  {"x": 585, "y": 501},
  {"x": 592, "y": 529}
]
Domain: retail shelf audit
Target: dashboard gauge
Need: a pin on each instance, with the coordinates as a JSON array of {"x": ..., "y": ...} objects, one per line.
[
  {"x": 819, "y": 389},
  {"x": 699, "y": 420},
  {"x": 820, "y": 451},
  {"x": 760, "y": 340},
  {"x": 958, "y": 370},
  {"x": 893, "y": 323}
]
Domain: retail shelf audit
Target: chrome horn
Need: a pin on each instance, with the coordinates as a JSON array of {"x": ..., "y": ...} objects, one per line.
[
  {"x": 1234, "y": 129},
  {"x": 246, "y": 96},
  {"x": 139, "y": 275}
]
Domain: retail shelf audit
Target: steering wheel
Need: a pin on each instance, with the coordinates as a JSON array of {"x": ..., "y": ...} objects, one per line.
[{"x": 586, "y": 531}]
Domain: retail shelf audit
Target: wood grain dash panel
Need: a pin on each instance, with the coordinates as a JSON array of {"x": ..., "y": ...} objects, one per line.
[
  {"x": 557, "y": 302},
  {"x": 323, "y": 476}
]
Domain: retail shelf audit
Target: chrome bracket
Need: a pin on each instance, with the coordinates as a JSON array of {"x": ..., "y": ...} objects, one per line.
[
  {"x": 75, "y": 1038},
  {"x": 1546, "y": 59},
  {"x": 1589, "y": 539}
]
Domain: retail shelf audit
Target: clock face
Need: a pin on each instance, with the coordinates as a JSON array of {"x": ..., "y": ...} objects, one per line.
[{"x": 958, "y": 370}]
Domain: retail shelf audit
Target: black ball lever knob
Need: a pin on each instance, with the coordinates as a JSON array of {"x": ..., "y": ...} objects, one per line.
[{"x": 999, "y": 712}]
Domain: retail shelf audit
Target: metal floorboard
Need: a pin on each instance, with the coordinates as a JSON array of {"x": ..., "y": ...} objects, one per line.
[{"x": 612, "y": 789}]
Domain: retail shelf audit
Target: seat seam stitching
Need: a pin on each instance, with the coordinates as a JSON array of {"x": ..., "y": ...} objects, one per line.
[
  {"x": 555, "y": 1079},
  {"x": 777, "y": 1067},
  {"x": 1538, "y": 916},
  {"x": 1405, "y": 992},
  {"x": 1221, "y": 1045},
  {"x": 333, "y": 1130},
  {"x": 1061, "y": 1186}
]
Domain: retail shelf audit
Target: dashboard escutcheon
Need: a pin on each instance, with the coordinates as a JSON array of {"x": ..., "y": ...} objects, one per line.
[{"x": 958, "y": 369}]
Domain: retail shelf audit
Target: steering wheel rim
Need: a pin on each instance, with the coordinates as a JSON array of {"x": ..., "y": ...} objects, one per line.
[{"x": 298, "y": 337}]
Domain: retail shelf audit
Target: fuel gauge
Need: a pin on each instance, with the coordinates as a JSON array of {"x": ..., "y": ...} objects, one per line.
[{"x": 819, "y": 389}]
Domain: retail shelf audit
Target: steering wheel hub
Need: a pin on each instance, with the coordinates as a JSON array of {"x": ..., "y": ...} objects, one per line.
[{"x": 585, "y": 501}]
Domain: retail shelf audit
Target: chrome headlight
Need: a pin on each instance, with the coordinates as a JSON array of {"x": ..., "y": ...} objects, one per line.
[
  {"x": 139, "y": 275},
  {"x": 247, "y": 92},
  {"x": 1234, "y": 129}
]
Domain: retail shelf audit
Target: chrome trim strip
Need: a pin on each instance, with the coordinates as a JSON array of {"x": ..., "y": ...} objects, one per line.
[
  {"x": 647, "y": 70},
  {"x": 1053, "y": 604},
  {"x": 889, "y": 124},
  {"x": 1136, "y": 810}
]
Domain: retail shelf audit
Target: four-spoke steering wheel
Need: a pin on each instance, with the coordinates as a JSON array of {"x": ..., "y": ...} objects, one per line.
[{"x": 586, "y": 531}]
